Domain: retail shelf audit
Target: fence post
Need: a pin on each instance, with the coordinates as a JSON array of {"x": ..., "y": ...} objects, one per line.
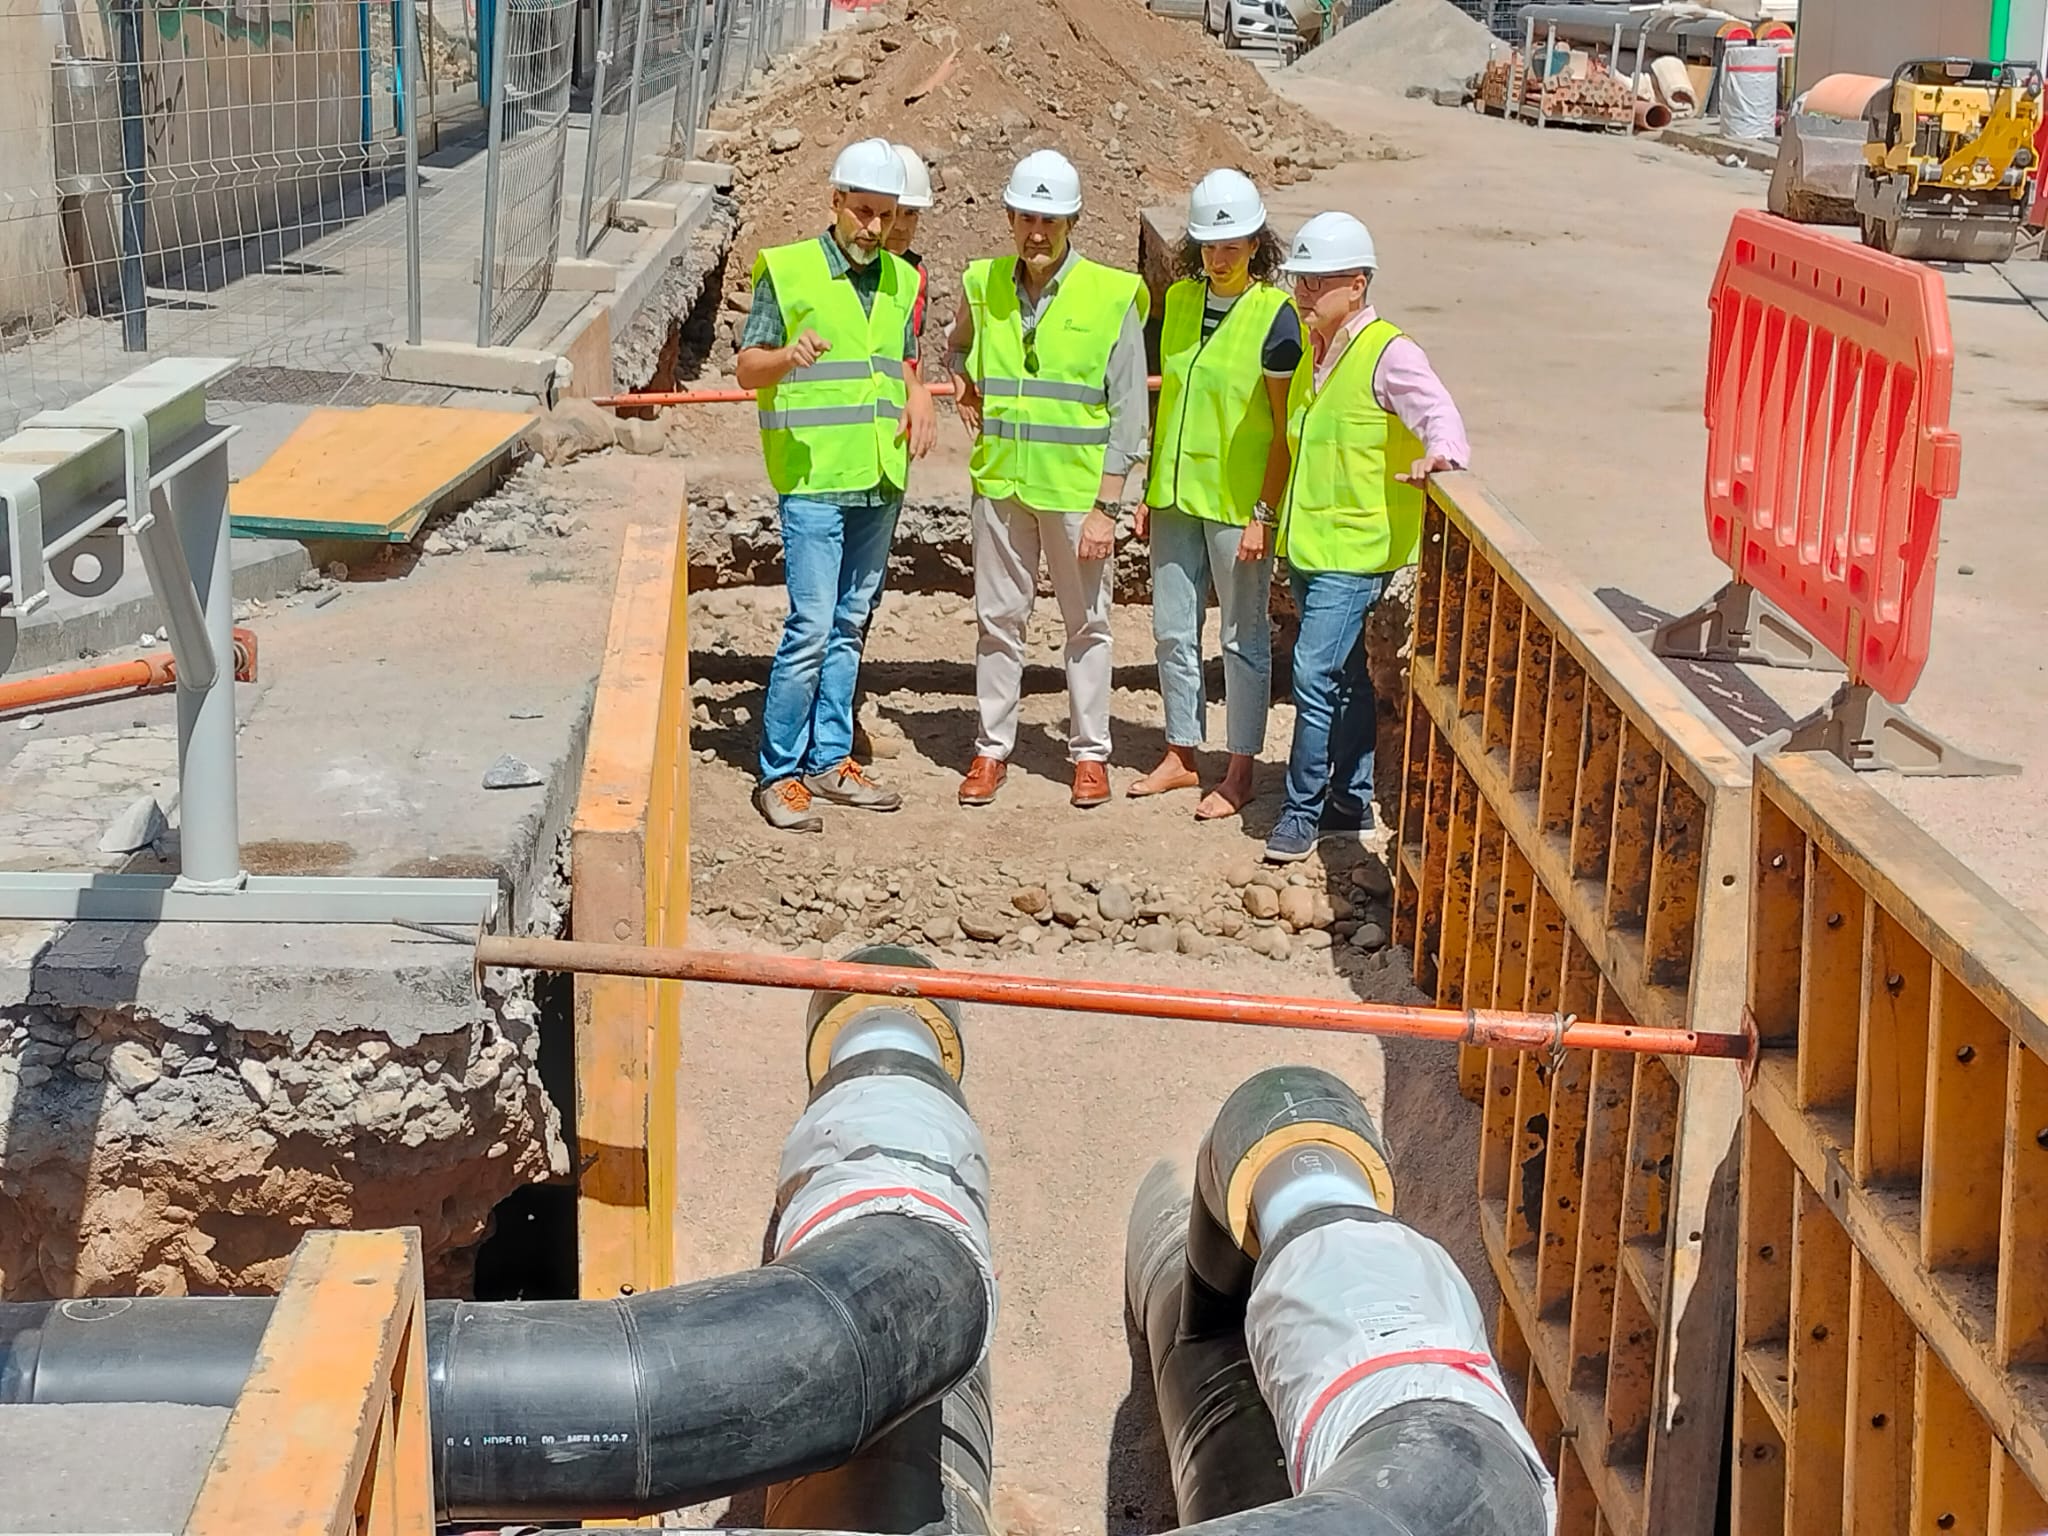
[
  {"x": 633, "y": 102},
  {"x": 493, "y": 167},
  {"x": 692, "y": 99},
  {"x": 134, "y": 178},
  {"x": 721, "y": 30},
  {"x": 409, "y": 11},
  {"x": 607, "y": 40}
]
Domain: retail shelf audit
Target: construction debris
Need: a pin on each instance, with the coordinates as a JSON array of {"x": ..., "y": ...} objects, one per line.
[
  {"x": 1575, "y": 90},
  {"x": 1142, "y": 106}
]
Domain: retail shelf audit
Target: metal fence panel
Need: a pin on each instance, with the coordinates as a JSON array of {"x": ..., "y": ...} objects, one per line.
[
  {"x": 533, "y": 54},
  {"x": 1572, "y": 839},
  {"x": 197, "y": 180}
]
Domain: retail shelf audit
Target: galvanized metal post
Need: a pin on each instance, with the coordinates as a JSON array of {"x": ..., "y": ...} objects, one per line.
[
  {"x": 692, "y": 100},
  {"x": 633, "y": 103},
  {"x": 607, "y": 40},
  {"x": 721, "y": 35},
  {"x": 494, "y": 167},
  {"x": 409, "y": 10},
  {"x": 209, "y": 832},
  {"x": 134, "y": 177}
]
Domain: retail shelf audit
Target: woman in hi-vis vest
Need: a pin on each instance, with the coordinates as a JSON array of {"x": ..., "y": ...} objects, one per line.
[
  {"x": 1367, "y": 425},
  {"x": 1230, "y": 343}
]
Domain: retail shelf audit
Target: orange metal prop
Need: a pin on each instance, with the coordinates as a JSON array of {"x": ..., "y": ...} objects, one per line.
[
  {"x": 1500, "y": 1030},
  {"x": 156, "y": 670}
]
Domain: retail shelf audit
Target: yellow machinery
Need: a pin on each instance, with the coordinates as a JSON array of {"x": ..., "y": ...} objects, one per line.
[{"x": 1950, "y": 159}]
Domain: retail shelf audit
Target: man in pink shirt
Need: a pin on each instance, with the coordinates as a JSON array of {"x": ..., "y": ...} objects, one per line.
[{"x": 1366, "y": 429}]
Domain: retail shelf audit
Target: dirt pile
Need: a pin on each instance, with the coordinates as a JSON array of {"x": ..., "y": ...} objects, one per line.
[
  {"x": 1402, "y": 44},
  {"x": 1141, "y": 105}
]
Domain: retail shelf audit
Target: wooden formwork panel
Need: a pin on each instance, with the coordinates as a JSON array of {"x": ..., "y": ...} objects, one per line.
[
  {"x": 1892, "y": 1326},
  {"x": 629, "y": 872},
  {"x": 1574, "y": 840}
]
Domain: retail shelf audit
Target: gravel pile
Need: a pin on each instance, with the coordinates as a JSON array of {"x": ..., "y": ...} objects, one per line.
[{"x": 1405, "y": 43}]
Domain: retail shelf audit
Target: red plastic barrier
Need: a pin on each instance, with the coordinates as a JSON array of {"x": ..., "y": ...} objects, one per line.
[{"x": 1829, "y": 453}]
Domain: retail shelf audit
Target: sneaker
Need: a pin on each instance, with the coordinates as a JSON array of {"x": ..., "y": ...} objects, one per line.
[
  {"x": 786, "y": 806},
  {"x": 1290, "y": 843},
  {"x": 849, "y": 785}
]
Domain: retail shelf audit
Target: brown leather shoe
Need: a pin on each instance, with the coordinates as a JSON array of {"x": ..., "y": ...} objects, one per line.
[
  {"x": 985, "y": 776},
  {"x": 1091, "y": 785}
]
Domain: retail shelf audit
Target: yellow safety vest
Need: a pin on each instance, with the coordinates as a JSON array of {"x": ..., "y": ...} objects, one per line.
[
  {"x": 834, "y": 426},
  {"x": 1344, "y": 509},
  {"x": 1045, "y": 405},
  {"x": 1215, "y": 425}
]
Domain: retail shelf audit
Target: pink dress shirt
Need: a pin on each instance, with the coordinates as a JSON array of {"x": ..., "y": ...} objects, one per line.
[{"x": 1409, "y": 387}]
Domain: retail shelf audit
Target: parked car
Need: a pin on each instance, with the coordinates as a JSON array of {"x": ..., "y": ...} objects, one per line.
[{"x": 1261, "y": 23}]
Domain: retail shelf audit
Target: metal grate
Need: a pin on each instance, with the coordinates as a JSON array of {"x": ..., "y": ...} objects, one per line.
[{"x": 300, "y": 386}]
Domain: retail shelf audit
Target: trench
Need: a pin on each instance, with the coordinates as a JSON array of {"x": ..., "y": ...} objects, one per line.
[{"x": 529, "y": 1251}]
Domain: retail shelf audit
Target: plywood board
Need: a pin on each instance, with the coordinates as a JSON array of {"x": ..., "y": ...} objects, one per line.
[{"x": 372, "y": 474}]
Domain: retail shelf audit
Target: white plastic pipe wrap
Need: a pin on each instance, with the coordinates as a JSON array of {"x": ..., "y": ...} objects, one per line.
[
  {"x": 887, "y": 1143},
  {"x": 1352, "y": 1318}
]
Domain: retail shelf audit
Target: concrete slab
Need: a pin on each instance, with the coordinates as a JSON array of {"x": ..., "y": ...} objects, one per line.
[
  {"x": 515, "y": 370},
  {"x": 109, "y": 1468}
]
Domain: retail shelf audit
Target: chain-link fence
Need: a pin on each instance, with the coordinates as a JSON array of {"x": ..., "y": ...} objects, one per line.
[
  {"x": 532, "y": 59},
  {"x": 224, "y": 180}
]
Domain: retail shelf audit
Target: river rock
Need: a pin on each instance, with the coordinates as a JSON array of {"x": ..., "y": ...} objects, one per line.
[
  {"x": 1372, "y": 878},
  {"x": 941, "y": 928},
  {"x": 1262, "y": 902},
  {"x": 1030, "y": 900},
  {"x": 1297, "y": 907},
  {"x": 1158, "y": 939},
  {"x": 1314, "y": 939},
  {"x": 1193, "y": 942},
  {"x": 1116, "y": 903},
  {"x": 984, "y": 925},
  {"x": 1370, "y": 936},
  {"x": 1273, "y": 943},
  {"x": 1071, "y": 908}
]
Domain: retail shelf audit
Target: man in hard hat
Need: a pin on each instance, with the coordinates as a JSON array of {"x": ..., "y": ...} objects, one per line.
[
  {"x": 830, "y": 346},
  {"x": 1048, "y": 359},
  {"x": 910, "y": 207},
  {"x": 1367, "y": 425}
]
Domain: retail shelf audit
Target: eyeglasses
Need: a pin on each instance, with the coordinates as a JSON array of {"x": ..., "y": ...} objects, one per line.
[{"x": 1031, "y": 350}]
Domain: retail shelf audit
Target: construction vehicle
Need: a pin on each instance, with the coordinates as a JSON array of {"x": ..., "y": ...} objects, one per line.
[{"x": 1949, "y": 159}]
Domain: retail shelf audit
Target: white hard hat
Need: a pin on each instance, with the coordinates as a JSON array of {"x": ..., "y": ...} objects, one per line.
[
  {"x": 1044, "y": 181},
  {"x": 1225, "y": 206},
  {"x": 869, "y": 166},
  {"x": 917, "y": 181},
  {"x": 1331, "y": 242}
]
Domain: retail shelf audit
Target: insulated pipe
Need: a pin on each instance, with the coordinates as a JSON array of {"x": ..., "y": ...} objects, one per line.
[
  {"x": 1496, "y": 1030},
  {"x": 878, "y": 1300},
  {"x": 1366, "y": 1343}
]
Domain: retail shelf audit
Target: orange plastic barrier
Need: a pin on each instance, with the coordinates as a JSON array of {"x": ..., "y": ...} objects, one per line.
[{"x": 1829, "y": 452}]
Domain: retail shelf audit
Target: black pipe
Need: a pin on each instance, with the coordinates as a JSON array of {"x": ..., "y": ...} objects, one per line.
[
  {"x": 1424, "y": 1468},
  {"x": 594, "y": 1409},
  {"x": 929, "y": 1476},
  {"x": 1222, "y": 1447}
]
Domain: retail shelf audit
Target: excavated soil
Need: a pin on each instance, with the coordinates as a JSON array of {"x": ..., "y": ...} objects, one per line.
[{"x": 1141, "y": 105}]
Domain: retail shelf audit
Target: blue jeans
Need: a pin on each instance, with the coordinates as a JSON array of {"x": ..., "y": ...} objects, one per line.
[
  {"x": 1190, "y": 557},
  {"x": 1336, "y": 722},
  {"x": 834, "y": 559}
]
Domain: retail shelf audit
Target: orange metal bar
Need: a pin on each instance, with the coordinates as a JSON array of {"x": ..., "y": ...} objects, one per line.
[
  {"x": 943, "y": 391},
  {"x": 1500, "y": 1030},
  {"x": 156, "y": 670}
]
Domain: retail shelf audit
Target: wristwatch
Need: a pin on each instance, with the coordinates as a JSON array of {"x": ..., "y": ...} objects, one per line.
[
  {"x": 1263, "y": 513},
  {"x": 1108, "y": 508}
]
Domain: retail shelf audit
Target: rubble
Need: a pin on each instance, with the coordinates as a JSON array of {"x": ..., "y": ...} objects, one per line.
[{"x": 1141, "y": 105}]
